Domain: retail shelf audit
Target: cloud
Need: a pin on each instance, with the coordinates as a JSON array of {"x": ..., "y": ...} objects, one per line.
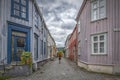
[{"x": 60, "y": 17}]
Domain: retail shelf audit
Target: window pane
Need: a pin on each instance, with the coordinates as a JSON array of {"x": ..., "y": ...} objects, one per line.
[
  {"x": 95, "y": 38},
  {"x": 16, "y": 12},
  {"x": 23, "y": 15},
  {"x": 23, "y": 2},
  {"x": 102, "y": 3},
  {"x": 95, "y": 47},
  {"x": 95, "y": 5},
  {"x": 101, "y": 44},
  {"x": 102, "y": 47},
  {"x": 102, "y": 12},
  {"x": 101, "y": 37},
  {"x": 35, "y": 48},
  {"x": 16, "y": 6},
  {"x": 23, "y": 9},
  {"x": 95, "y": 14},
  {"x": 21, "y": 42}
]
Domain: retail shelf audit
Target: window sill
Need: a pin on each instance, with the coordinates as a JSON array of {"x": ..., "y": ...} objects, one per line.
[
  {"x": 92, "y": 21},
  {"x": 98, "y": 54}
]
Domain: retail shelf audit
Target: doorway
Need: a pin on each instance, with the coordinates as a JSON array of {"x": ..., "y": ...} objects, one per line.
[
  {"x": 18, "y": 41},
  {"x": 18, "y": 45}
]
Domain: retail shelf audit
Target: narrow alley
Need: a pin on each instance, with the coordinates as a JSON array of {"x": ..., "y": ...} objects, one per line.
[{"x": 67, "y": 70}]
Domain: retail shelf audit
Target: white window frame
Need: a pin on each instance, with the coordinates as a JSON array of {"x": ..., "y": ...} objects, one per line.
[
  {"x": 36, "y": 55},
  {"x": 98, "y": 10},
  {"x": 98, "y": 42}
]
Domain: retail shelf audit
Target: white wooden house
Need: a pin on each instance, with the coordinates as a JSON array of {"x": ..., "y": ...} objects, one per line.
[{"x": 22, "y": 28}]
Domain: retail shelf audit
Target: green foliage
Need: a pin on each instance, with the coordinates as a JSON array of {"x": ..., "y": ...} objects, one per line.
[
  {"x": 26, "y": 58},
  {"x": 4, "y": 77}
]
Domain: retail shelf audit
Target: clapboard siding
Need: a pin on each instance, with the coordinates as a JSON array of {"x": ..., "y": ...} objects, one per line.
[
  {"x": 106, "y": 25},
  {"x": 6, "y": 18}
]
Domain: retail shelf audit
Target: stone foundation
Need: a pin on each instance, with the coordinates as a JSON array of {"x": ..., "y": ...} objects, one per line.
[
  {"x": 83, "y": 65},
  {"x": 101, "y": 69},
  {"x": 98, "y": 68},
  {"x": 21, "y": 70}
]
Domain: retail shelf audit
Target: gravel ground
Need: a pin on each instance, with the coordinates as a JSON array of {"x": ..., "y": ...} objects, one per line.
[{"x": 67, "y": 70}]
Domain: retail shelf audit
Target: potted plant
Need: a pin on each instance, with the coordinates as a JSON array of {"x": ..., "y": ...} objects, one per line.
[{"x": 26, "y": 58}]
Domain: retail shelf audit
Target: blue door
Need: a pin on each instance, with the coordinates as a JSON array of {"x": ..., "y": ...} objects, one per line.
[
  {"x": 18, "y": 41},
  {"x": 19, "y": 47}
]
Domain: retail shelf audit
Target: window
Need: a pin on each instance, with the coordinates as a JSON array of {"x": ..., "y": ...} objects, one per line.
[
  {"x": 20, "y": 9},
  {"x": 79, "y": 26},
  {"x": 79, "y": 48},
  {"x": 36, "y": 19},
  {"x": 44, "y": 32},
  {"x": 35, "y": 47},
  {"x": 98, "y": 9},
  {"x": 99, "y": 44},
  {"x": 44, "y": 48}
]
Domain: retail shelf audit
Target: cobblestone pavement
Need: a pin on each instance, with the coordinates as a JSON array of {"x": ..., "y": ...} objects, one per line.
[{"x": 67, "y": 70}]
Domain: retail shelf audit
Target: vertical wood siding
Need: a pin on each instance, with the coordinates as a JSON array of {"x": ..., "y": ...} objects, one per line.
[
  {"x": 107, "y": 26},
  {"x": 116, "y": 35}
]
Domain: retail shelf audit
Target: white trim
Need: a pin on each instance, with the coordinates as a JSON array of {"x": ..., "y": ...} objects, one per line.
[{"x": 116, "y": 30}]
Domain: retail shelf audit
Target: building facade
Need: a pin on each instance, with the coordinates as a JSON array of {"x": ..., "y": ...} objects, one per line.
[
  {"x": 73, "y": 45},
  {"x": 67, "y": 46},
  {"x": 22, "y": 28},
  {"x": 99, "y": 36},
  {"x": 51, "y": 46}
]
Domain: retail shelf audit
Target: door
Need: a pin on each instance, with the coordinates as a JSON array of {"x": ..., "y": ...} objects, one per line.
[
  {"x": 18, "y": 45},
  {"x": 18, "y": 41}
]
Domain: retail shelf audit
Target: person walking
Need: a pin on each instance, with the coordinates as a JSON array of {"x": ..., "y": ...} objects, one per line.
[{"x": 59, "y": 56}]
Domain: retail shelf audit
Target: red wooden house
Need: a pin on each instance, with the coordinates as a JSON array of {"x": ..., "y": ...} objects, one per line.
[{"x": 73, "y": 40}]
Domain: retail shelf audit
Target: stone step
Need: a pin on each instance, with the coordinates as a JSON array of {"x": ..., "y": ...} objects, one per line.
[
  {"x": 8, "y": 67},
  {"x": 16, "y": 63}
]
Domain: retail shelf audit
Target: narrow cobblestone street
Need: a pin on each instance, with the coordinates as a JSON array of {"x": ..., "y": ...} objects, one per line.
[{"x": 67, "y": 70}]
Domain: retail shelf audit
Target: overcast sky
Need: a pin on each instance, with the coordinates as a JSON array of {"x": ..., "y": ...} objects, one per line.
[{"x": 60, "y": 17}]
